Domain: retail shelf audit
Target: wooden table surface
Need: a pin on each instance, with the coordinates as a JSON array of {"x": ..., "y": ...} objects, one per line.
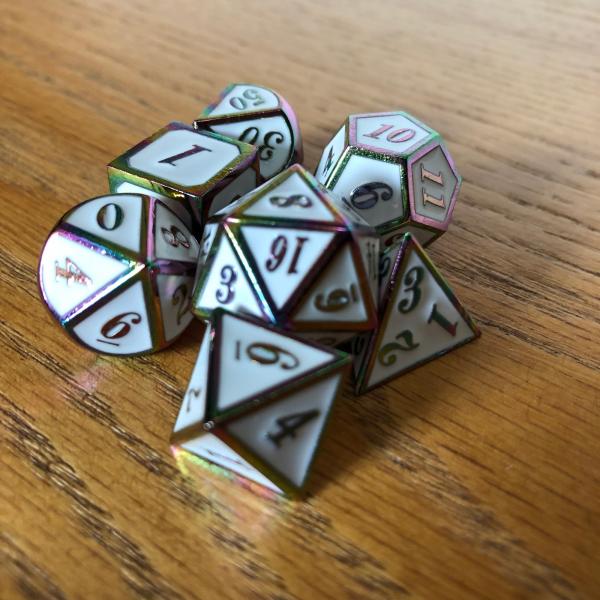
[{"x": 476, "y": 476}]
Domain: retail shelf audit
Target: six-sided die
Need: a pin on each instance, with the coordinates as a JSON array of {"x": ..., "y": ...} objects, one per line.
[
  {"x": 117, "y": 273},
  {"x": 287, "y": 254},
  {"x": 258, "y": 401},
  {"x": 259, "y": 116},
  {"x": 420, "y": 318},
  {"x": 198, "y": 170},
  {"x": 395, "y": 171}
]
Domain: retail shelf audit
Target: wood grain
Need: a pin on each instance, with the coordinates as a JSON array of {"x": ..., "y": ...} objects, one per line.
[{"x": 476, "y": 476}]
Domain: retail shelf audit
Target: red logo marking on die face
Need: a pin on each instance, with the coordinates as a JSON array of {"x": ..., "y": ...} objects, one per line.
[{"x": 71, "y": 273}]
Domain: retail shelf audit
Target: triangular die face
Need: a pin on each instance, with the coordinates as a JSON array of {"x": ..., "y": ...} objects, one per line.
[
  {"x": 421, "y": 322},
  {"x": 285, "y": 256},
  {"x": 121, "y": 326},
  {"x": 254, "y": 360},
  {"x": 116, "y": 219},
  {"x": 211, "y": 448},
  {"x": 172, "y": 239},
  {"x": 337, "y": 295},
  {"x": 293, "y": 198},
  {"x": 226, "y": 284},
  {"x": 285, "y": 434},
  {"x": 175, "y": 292},
  {"x": 73, "y": 270},
  {"x": 193, "y": 407}
]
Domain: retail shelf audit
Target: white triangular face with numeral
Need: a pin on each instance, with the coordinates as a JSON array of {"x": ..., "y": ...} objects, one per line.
[
  {"x": 336, "y": 297},
  {"x": 121, "y": 326},
  {"x": 211, "y": 448},
  {"x": 193, "y": 407},
  {"x": 175, "y": 293},
  {"x": 72, "y": 271},
  {"x": 116, "y": 219},
  {"x": 255, "y": 359},
  {"x": 226, "y": 285},
  {"x": 284, "y": 256},
  {"x": 285, "y": 434},
  {"x": 172, "y": 239},
  {"x": 293, "y": 198},
  {"x": 422, "y": 321}
]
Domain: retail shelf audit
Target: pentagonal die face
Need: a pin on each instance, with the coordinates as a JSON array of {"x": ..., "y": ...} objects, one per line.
[
  {"x": 258, "y": 401},
  {"x": 421, "y": 319},
  {"x": 259, "y": 116},
  {"x": 201, "y": 170},
  {"x": 286, "y": 254},
  {"x": 95, "y": 278}
]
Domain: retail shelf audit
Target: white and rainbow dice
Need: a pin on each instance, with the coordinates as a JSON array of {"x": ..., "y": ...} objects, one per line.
[
  {"x": 395, "y": 171},
  {"x": 259, "y": 116},
  {"x": 258, "y": 401},
  {"x": 420, "y": 318},
  {"x": 200, "y": 171},
  {"x": 117, "y": 273},
  {"x": 286, "y": 254}
]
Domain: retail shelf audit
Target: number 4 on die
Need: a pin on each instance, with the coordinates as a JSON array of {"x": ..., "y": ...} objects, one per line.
[
  {"x": 258, "y": 401},
  {"x": 421, "y": 318}
]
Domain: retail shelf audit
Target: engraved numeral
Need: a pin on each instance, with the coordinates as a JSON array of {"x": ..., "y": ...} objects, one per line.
[
  {"x": 367, "y": 195},
  {"x": 397, "y": 136},
  {"x": 279, "y": 250},
  {"x": 110, "y": 216},
  {"x": 385, "y": 262},
  {"x": 118, "y": 327},
  {"x": 337, "y": 299},
  {"x": 442, "y": 321},
  {"x": 228, "y": 278},
  {"x": 270, "y": 354},
  {"x": 182, "y": 300},
  {"x": 329, "y": 161},
  {"x": 265, "y": 150},
  {"x": 195, "y": 149},
  {"x": 299, "y": 200},
  {"x": 193, "y": 394},
  {"x": 428, "y": 198},
  {"x": 241, "y": 102},
  {"x": 290, "y": 424},
  {"x": 224, "y": 457},
  {"x": 175, "y": 237},
  {"x": 71, "y": 273},
  {"x": 388, "y": 353},
  {"x": 412, "y": 281}
]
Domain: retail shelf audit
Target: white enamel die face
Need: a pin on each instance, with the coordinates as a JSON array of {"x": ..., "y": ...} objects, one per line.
[
  {"x": 271, "y": 441},
  {"x": 286, "y": 251},
  {"x": 258, "y": 116},
  {"x": 94, "y": 277},
  {"x": 422, "y": 320},
  {"x": 186, "y": 165}
]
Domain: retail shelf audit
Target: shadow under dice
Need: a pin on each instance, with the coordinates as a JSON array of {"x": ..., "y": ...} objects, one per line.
[
  {"x": 117, "y": 273},
  {"x": 196, "y": 173},
  {"x": 259, "y": 116},
  {"x": 286, "y": 254},
  {"x": 258, "y": 401},
  {"x": 421, "y": 318},
  {"x": 395, "y": 171}
]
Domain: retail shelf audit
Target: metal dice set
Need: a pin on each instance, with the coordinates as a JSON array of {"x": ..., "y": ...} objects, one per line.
[{"x": 219, "y": 220}]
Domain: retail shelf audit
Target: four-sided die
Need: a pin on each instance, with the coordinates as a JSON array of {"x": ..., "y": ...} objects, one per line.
[
  {"x": 117, "y": 273},
  {"x": 199, "y": 171},
  {"x": 395, "y": 171},
  {"x": 420, "y": 318},
  {"x": 259, "y": 116},
  {"x": 287, "y": 254},
  {"x": 258, "y": 401}
]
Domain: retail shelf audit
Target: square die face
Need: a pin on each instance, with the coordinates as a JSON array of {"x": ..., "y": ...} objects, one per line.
[
  {"x": 422, "y": 321},
  {"x": 183, "y": 157}
]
